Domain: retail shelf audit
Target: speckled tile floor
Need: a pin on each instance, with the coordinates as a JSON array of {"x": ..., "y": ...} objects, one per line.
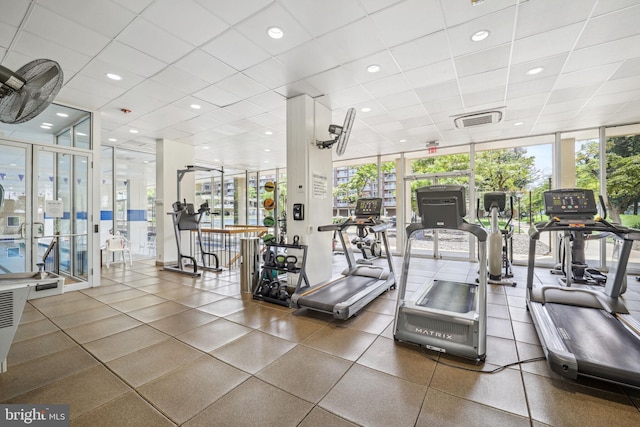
[{"x": 154, "y": 348}]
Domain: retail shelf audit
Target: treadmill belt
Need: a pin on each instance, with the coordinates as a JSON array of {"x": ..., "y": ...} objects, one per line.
[
  {"x": 327, "y": 297},
  {"x": 602, "y": 346},
  {"x": 455, "y": 297}
]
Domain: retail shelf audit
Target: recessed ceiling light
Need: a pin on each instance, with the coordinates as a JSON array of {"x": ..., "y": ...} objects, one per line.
[
  {"x": 267, "y": 150},
  {"x": 403, "y": 140},
  {"x": 145, "y": 161},
  {"x": 534, "y": 71},
  {"x": 114, "y": 76},
  {"x": 195, "y": 106},
  {"x": 373, "y": 68},
  {"x": 45, "y": 127},
  {"x": 47, "y": 124},
  {"x": 62, "y": 115},
  {"x": 113, "y": 139},
  {"x": 266, "y": 161},
  {"x": 518, "y": 123},
  {"x": 275, "y": 32},
  {"x": 268, "y": 132},
  {"x": 216, "y": 160},
  {"x": 205, "y": 148},
  {"x": 12, "y": 164},
  {"x": 133, "y": 131},
  {"x": 365, "y": 109},
  {"x": 480, "y": 35}
]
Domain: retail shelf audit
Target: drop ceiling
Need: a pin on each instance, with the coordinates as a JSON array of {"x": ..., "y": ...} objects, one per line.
[{"x": 172, "y": 54}]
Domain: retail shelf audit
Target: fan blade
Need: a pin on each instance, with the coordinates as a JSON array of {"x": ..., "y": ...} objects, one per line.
[
  {"x": 24, "y": 101},
  {"x": 41, "y": 81}
]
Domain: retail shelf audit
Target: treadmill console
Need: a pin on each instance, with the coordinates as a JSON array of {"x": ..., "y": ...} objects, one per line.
[
  {"x": 572, "y": 203},
  {"x": 442, "y": 206},
  {"x": 368, "y": 208}
]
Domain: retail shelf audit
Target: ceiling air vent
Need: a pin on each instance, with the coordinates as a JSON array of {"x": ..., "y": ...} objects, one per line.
[{"x": 477, "y": 119}]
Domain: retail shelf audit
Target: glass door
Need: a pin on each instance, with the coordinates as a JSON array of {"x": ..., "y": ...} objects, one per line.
[
  {"x": 15, "y": 180},
  {"x": 44, "y": 217},
  {"x": 60, "y": 230}
]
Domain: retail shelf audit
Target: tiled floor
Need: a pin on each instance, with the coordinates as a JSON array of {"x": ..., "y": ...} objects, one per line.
[{"x": 155, "y": 348}]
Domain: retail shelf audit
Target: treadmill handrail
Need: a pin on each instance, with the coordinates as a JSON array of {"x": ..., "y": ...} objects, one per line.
[{"x": 476, "y": 230}]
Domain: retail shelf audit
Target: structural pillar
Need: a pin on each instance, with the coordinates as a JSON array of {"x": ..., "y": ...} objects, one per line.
[
  {"x": 310, "y": 182},
  {"x": 171, "y": 156}
]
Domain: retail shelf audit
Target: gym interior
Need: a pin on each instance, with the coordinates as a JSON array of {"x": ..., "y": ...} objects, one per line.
[{"x": 200, "y": 182}]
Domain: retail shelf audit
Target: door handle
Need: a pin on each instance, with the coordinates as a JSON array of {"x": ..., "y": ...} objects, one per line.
[
  {"x": 23, "y": 229},
  {"x": 38, "y": 229}
]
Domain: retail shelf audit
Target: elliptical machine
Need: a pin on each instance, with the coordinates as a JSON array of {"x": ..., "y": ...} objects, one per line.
[{"x": 499, "y": 240}]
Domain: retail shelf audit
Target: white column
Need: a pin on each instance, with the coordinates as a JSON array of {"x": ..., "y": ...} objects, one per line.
[
  {"x": 171, "y": 156},
  {"x": 310, "y": 182}
]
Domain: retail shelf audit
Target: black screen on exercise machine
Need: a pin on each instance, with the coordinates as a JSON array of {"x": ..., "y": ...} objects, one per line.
[
  {"x": 370, "y": 207},
  {"x": 570, "y": 202}
]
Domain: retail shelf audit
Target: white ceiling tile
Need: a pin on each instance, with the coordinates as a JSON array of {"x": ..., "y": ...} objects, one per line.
[
  {"x": 324, "y": 16},
  {"x": 241, "y": 86},
  {"x": 222, "y": 115},
  {"x": 546, "y": 44},
  {"x": 484, "y": 99},
  {"x": 234, "y": 12},
  {"x": 205, "y": 66},
  {"x": 535, "y": 17},
  {"x": 136, "y": 6},
  {"x": 216, "y": 96},
  {"x": 425, "y": 50},
  {"x": 308, "y": 60},
  {"x": 444, "y": 90},
  {"x": 490, "y": 79},
  {"x": 268, "y": 100},
  {"x": 433, "y": 74},
  {"x": 7, "y": 33},
  {"x": 605, "y": 53},
  {"x": 154, "y": 90},
  {"x": 612, "y": 5},
  {"x": 15, "y": 14},
  {"x": 349, "y": 96},
  {"x": 611, "y": 27},
  {"x": 384, "y": 59},
  {"x": 487, "y": 60},
  {"x": 353, "y": 41},
  {"x": 255, "y": 29},
  {"x": 629, "y": 68},
  {"x": 244, "y": 109},
  {"x": 236, "y": 50},
  {"x": 443, "y": 104},
  {"x": 587, "y": 76},
  {"x": 98, "y": 70},
  {"x": 168, "y": 116},
  {"x": 271, "y": 73},
  {"x": 500, "y": 27},
  {"x": 332, "y": 80},
  {"x": 399, "y": 100},
  {"x": 526, "y": 88},
  {"x": 44, "y": 48},
  {"x": 180, "y": 80},
  {"x": 458, "y": 12},
  {"x": 99, "y": 87},
  {"x": 620, "y": 85},
  {"x": 58, "y": 29},
  {"x": 185, "y": 19},
  {"x": 130, "y": 59},
  {"x": 197, "y": 124},
  {"x": 89, "y": 101},
  {"x": 408, "y": 20},
  {"x": 551, "y": 67},
  {"x": 388, "y": 85},
  {"x": 155, "y": 41},
  {"x": 113, "y": 18}
]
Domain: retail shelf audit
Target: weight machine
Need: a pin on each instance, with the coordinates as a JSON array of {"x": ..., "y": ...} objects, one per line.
[{"x": 185, "y": 218}]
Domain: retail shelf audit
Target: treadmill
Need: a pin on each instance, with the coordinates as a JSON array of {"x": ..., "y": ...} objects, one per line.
[
  {"x": 359, "y": 284},
  {"x": 444, "y": 315},
  {"x": 585, "y": 331}
]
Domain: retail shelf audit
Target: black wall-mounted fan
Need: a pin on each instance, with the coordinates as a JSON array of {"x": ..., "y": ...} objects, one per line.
[
  {"x": 27, "y": 92},
  {"x": 341, "y": 134}
]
